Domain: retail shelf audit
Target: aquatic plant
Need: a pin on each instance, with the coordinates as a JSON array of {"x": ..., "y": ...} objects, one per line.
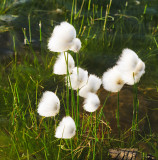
[{"x": 49, "y": 104}]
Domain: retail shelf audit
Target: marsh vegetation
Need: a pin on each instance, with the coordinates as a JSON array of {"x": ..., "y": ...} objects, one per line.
[{"x": 105, "y": 28}]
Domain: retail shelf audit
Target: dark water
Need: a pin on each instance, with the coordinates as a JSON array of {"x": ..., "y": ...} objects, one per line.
[{"x": 129, "y": 25}]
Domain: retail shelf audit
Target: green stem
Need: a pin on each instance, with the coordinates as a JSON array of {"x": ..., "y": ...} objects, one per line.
[
  {"x": 29, "y": 27},
  {"x": 72, "y": 10},
  {"x": 71, "y": 149},
  {"x": 59, "y": 150},
  {"x": 40, "y": 27},
  {"x": 118, "y": 114},
  {"x": 67, "y": 87}
]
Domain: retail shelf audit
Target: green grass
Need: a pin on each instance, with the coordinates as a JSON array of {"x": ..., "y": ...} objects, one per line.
[{"x": 104, "y": 32}]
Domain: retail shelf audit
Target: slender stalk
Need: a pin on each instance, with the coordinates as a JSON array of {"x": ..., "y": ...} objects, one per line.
[
  {"x": 71, "y": 149},
  {"x": 40, "y": 29},
  {"x": 72, "y": 11},
  {"x": 29, "y": 27},
  {"x": 59, "y": 150},
  {"x": 15, "y": 52},
  {"x": 101, "y": 111},
  {"x": 89, "y": 5},
  {"x": 135, "y": 109},
  {"x": 77, "y": 100},
  {"x": 106, "y": 14},
  {"x": 95, "y": 135},
  {"x": 75, "y": 7},
  {"x": 101, "y": 12},
  {"x": 81, "y": 26},
  {"x": 117, "y": 114},
  {"x": 137, "y": 112},
  {"x": 67, "y": 87}
]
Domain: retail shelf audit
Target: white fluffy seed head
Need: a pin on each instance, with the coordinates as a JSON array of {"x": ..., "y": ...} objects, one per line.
[
  {"x": 127, "y": 61},
  {"x": 60, "y": 66},
  {"x": 49, "y": 104},
  {"x": 64, "y": 38},
  {"x": 66, "y": 31},
  {"x": 66, "y": 128},
  {"x": 131, "y": 67},
  {"x": 56, "y": 44},
  {"x": 83, "y": 92},
  {"x": 91, "y": 103},
  {"x": 112, "y": 80},
  {"x": 92, "y": 85},
  {"x": 76, "y": 45},
  {"x": 134, "y": 76},
  {"x": 78, "y": 78}
]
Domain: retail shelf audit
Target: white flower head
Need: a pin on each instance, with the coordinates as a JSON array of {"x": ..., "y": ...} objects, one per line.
[
  {"x": 91, "y": 103},
  {"x": 134, "y": 76},
  {"x": 112, "y": 80},
  {"x": 131, "y": 67},
  {"x": 127, "y": 61},
  {"x": 92, "y": 85},
  {"x": 66, "y": 128},
  {"x": 60, "y": 66},
  {"x": 76, "y": 45},
  {"x": 49, "y": 104},
  {"x": 78, "y": 78},
  {"x": 56, "y": 44},
  {"x": 64, "y": 38},
  {"x": 65, "y": 31}
]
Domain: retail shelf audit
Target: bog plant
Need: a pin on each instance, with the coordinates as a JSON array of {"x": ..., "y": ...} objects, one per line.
[{"x": 128, "y": 70}]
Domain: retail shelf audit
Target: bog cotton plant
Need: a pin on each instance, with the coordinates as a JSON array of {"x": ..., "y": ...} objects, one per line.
[
  {"x": 112, "y": 80},
  {"x": 49, "y": 104},
  {"x": 131, "y": 66},
  {"x": 78, "y": 78},
  {"x": 91, "y": 103},
  {"x": 66, "y": 128},
  {"x": 60, "y": 66},
  {"x": 64, "y": 38},
  {"x": 92, "y": 85}
]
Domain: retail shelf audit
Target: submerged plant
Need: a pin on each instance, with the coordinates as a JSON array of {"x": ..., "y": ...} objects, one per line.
[
  {"x": 66, "y": 128},
  {"x": 49, "y": 104},
  {"x": 64, "y": 38},
  {"x": 60, "y": 66}
]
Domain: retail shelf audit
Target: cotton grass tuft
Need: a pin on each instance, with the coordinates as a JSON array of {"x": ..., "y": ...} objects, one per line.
[
  {"x": 112, "y": 80},
  {"x": 60, "y": 66},
  {"x": 91, "y": 103},
  {"x": 66, "y": 128},
  {"x": 131, "y": 66},
  {"x": 92, "y": 85},
  {"x": 76, "y": 45},
  {"x": 78, "y": 78},
  {"x": 49, "y": 104},
  {"x": 64, "y": 38}
]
